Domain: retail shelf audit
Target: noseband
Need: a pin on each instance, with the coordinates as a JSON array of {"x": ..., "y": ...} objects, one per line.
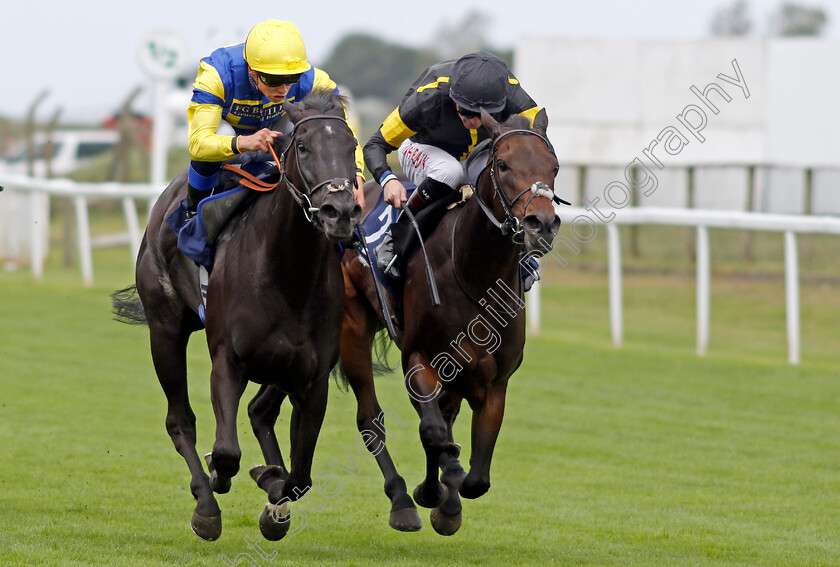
[
  {"x": 302, "y": 197},
  {"x": 510, "y": 225}
]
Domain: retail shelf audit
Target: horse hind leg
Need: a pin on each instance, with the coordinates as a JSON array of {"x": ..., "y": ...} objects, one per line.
[{"x": 168, "y": 345}]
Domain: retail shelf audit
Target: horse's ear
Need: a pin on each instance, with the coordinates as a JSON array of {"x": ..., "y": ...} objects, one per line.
[
  {"x": 541, "y": 122},
  {"x": 282, "y": 124},
  {"x": 292, "y": 111},
  {"x": 338, "y": 108},
  {"x": 281, "y": 143},
  {"x": 490, "y": 123}
]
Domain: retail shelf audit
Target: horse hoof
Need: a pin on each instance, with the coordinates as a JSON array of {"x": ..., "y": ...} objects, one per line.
[
  {"x": 264, "y": 475},
  {"x": 405, "y": 520},
  {"x": 208, "y": 528},
  {"x": 219, "y": 484},
  {"x": 274, "y": 521},
  {"x": 257, "y": 471},
  {"x": 445, "y": 524},
  {"x": 453, "y": 450},
  {"x": 472, "y": 490},
  {"x": 418, "y": 496}
]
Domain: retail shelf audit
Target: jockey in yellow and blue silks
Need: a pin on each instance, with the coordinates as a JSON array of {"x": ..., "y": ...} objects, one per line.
[{"x": 246, "y": 85}]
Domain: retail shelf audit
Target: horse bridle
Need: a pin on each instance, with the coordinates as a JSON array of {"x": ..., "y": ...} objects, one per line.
[
  {"x": 301, "y": 197},
  {"x": 510, "y": 225}
]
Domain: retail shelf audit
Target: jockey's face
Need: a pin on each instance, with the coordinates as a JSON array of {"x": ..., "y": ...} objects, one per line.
[
  {"x": 470, "y": 123},
  {"x": 274, "y": 94},
  {"x": 470, "y": 120}
]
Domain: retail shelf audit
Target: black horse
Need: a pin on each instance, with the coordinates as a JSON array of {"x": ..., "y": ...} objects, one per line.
[
  {"x": 274, "y": 309},
  {"x": 469, "y": 346}
]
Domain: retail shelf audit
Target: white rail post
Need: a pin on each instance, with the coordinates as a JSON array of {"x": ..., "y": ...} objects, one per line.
[
  {"x": 702, "y": 290},
  {"x": 130, "y": 210},
  {"x": 534, "y": 308},
  {"x": 37, "y": 252},
  {"x": 792, "y": 296},
  {"x": 83, "y": 230},
  {"x": 614, "y": 269}
]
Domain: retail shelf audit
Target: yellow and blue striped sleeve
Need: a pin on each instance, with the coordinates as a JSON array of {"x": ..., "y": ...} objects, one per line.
[
  {"x": 204, "y": 116},
  {"x": 205, "y": 144}
]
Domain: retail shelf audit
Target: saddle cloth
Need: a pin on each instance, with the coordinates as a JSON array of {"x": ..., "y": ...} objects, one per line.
[{"x": 197, "y": 235}]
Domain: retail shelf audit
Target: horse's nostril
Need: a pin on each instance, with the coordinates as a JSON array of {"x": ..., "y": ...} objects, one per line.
[
  {"x": 328, "y": 212},
  {"x": 531, "y": 223}
]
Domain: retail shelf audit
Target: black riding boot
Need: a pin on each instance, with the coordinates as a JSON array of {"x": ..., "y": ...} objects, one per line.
[
  {"x": 193, "y": 197},
  {"x": 426, "y": 193}
]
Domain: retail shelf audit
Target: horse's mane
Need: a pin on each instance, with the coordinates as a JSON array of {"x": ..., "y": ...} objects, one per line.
[{"x": 323, "y": 100}]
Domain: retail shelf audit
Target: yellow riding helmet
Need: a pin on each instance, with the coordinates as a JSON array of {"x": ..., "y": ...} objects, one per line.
[{"x": 275, "y": 47}]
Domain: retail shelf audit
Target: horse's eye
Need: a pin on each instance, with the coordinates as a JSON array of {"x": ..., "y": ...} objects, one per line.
[
  {"x": 301, "y": 147},
  {"x": 556, "y": 170},
  {"x": 502, "y": 165}
]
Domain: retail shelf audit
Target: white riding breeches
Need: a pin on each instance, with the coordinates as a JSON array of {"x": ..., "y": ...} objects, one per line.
[{"x": 420, "y": 161}]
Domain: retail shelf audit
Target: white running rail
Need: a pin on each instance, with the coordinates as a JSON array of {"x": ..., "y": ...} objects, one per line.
[
  {"x": 40, "y": 190},
  {"x": 790, "y": 225}
]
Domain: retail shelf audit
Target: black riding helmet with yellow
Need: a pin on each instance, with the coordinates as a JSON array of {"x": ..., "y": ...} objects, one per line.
[{"x": 479, "y": 80}]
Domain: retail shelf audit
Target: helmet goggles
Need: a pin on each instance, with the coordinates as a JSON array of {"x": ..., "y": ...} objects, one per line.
[{"x": 278, "y": 80}]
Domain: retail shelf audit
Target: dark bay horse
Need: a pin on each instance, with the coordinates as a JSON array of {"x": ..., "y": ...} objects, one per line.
[
  {"x": 468, "y": 347},
  {"x": 274, "y": 308}
]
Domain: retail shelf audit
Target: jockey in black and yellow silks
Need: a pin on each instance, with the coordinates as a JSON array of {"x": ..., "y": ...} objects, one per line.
[
  {"x": 436, "y": 126},
  {"x": 246, "y": 85}
]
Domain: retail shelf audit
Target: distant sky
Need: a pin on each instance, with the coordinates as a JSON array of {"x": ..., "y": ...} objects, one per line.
[{"x": 85, "y": 51}]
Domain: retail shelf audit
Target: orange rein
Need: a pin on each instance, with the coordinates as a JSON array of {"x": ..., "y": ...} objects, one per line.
[{"x": 253, "y": 182}]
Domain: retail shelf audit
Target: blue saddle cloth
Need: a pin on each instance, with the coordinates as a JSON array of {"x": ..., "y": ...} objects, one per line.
[
  {"x": 192, "y": 233},
  {"x": 375, "y": 225}
]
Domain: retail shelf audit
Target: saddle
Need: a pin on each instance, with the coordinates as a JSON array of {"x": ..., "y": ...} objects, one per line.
[{"x": 197, "y": 235}]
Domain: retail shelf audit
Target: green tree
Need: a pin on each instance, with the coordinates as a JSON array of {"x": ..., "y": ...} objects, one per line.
[
  {"x": 371, "y": 67},
  {"x": 732, "y": 20},
  {"x": 798, "y": 20}
]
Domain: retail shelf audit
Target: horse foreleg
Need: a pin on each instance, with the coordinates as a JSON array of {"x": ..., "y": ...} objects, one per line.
[
  {"x": 486, "y": 423},
  {"x": 263, "y": 411},
  {"x": 168, "y": 344},
  {"x": 307, "y": 418},
  {"x": 446, "y": 518},
  {"x": 423, "y": 388},
  {"x": 226, "y": 389}
]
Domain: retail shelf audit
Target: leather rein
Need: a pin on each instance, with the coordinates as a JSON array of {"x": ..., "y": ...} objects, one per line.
[{"x": 302, "y": 198}]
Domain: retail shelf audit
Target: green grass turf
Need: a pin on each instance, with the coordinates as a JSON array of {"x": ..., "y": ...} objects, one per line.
[{"x": 644, "y": 455}]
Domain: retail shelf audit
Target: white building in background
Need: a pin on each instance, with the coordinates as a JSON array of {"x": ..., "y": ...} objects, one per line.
[{"x": 612, "y": 101}]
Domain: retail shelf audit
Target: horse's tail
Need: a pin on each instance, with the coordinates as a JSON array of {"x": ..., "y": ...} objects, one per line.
[
  {"x": 126, "y": 306},
  {"x": 381, "y": 346}
]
